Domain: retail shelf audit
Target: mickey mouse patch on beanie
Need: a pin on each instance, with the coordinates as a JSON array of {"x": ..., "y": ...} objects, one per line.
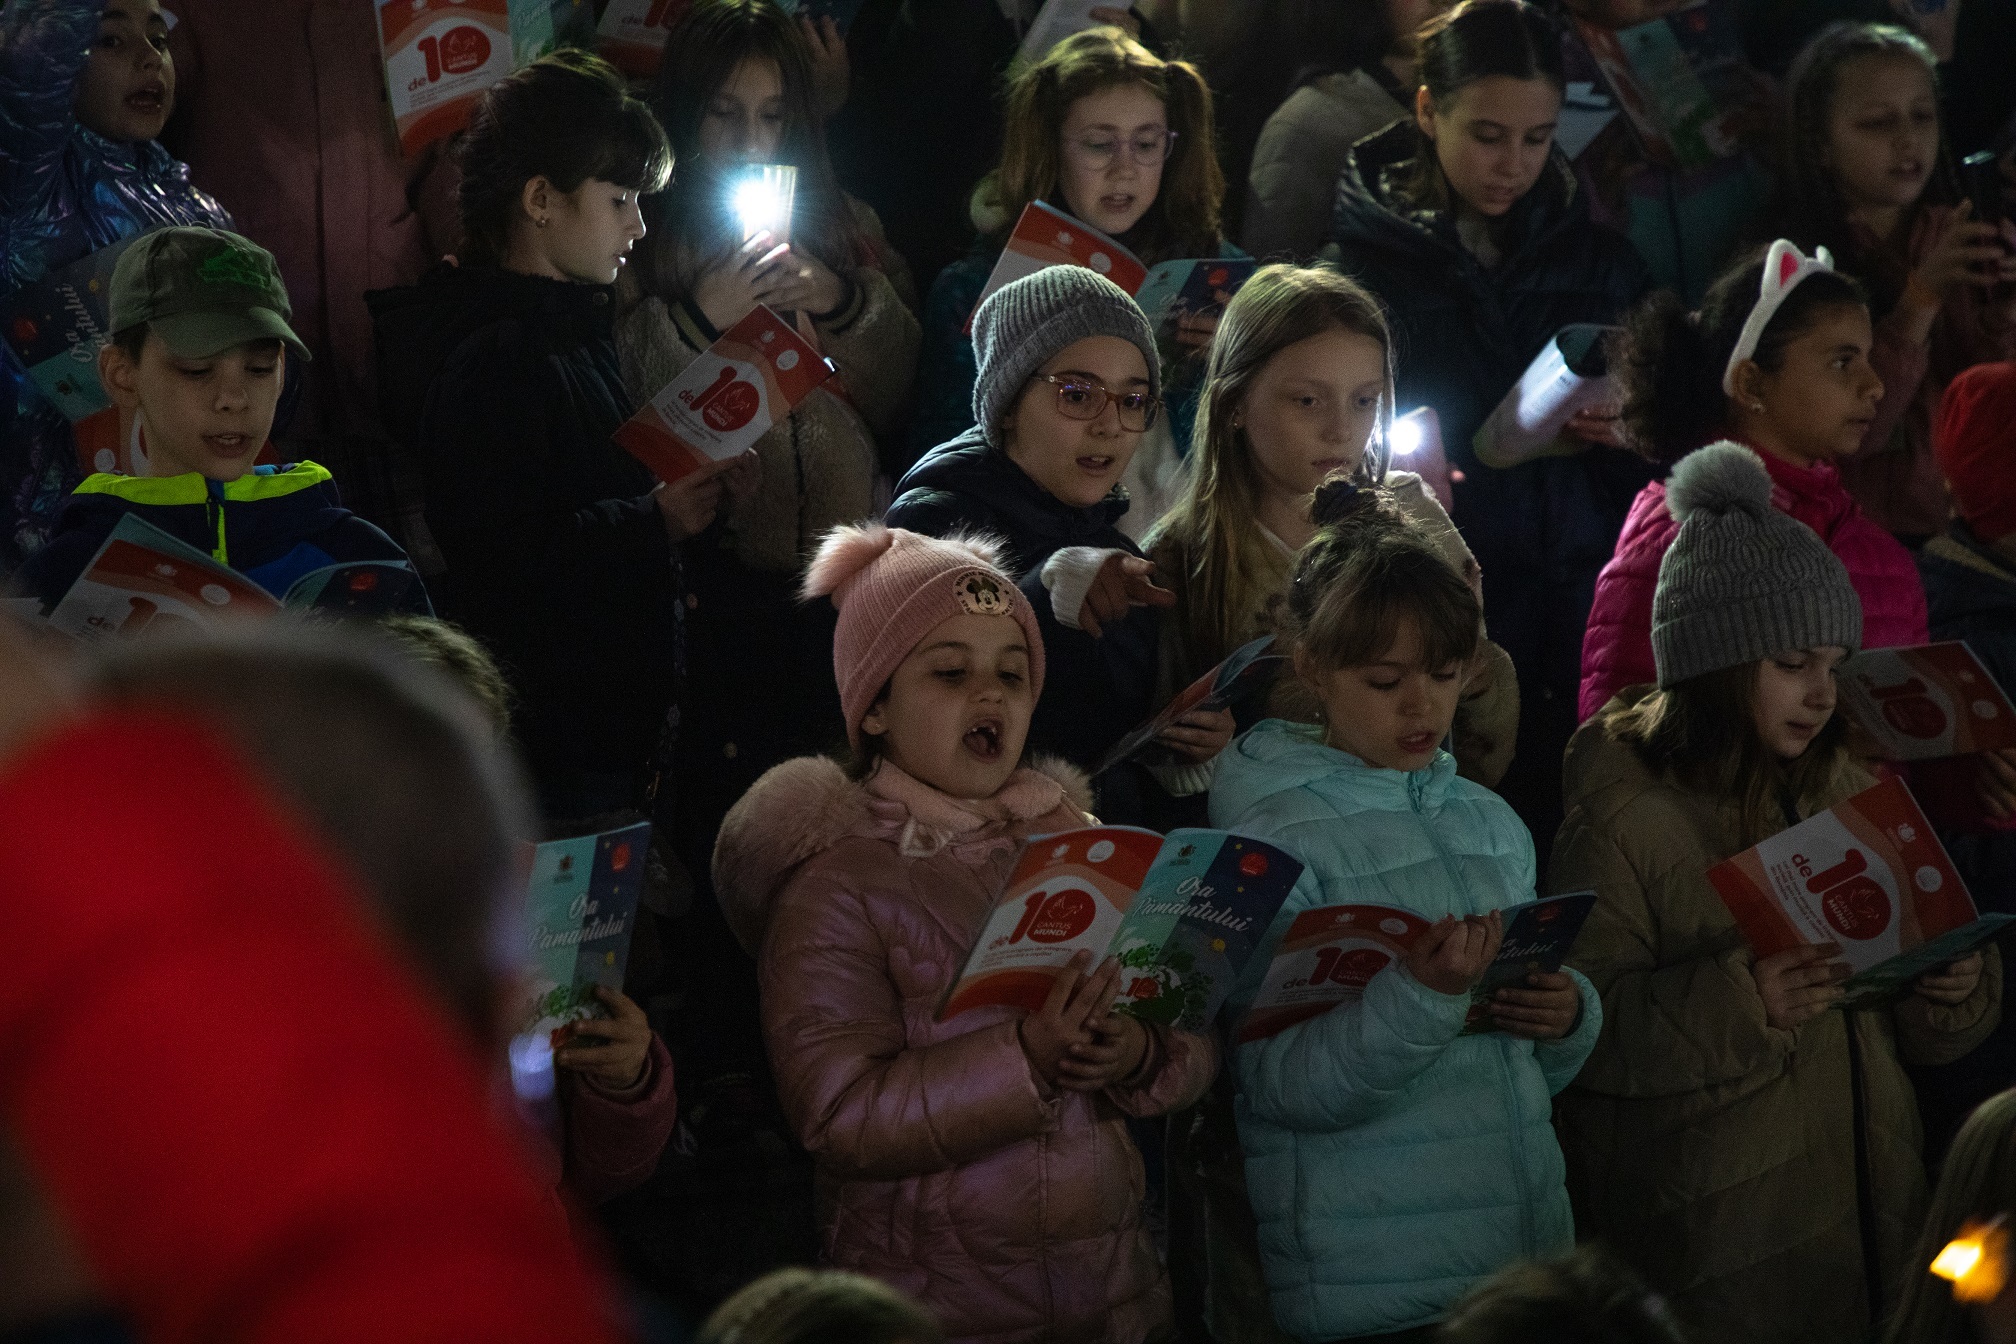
[{"x": 981, "y": 594}]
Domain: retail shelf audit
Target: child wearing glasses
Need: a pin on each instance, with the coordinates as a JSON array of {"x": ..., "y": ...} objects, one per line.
[
  {"x": 1067, "y": 387},
  {"x": 1110, "y": 134}
]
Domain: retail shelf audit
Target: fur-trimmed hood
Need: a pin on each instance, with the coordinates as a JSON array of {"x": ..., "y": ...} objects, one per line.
[{"x": 801, "y": 808}]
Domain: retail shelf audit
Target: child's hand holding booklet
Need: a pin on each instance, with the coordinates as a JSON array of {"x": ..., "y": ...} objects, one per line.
[{"x": 1181, "y": 917}]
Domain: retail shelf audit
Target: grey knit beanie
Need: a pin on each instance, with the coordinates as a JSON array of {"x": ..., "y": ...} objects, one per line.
[
  {"x": 1026, "y": 322},
  {"x": 1742, "y": 581}
]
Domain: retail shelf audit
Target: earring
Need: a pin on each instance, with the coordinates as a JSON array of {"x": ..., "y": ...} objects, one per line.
[
  {"x": 541, "y": 221},
  {"x": 1757, "y": 408}
]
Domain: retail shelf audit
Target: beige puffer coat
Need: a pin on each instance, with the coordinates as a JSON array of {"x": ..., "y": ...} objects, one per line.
[
  {"x": 1713, "y": 1151},
  {"x": 947, "y": 1167},
  {"x": 820, "y": 465}
]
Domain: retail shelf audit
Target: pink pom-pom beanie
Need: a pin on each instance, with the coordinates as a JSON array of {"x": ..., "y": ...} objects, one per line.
[{"x": 893, "y": 588}]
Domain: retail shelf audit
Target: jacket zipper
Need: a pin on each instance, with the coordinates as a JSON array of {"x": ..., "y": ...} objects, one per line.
[
  {"x": 214, "y": 508},
  {"x": 1507, "y": 1082}
]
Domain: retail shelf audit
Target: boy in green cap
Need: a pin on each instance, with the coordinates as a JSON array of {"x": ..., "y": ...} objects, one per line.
[{"x": 198, "y": 354}]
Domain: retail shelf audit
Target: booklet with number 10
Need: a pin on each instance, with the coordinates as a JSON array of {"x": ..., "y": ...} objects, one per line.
[{"x": 1183, "y": 915}]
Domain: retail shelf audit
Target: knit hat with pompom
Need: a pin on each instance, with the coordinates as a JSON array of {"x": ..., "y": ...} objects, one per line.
[
  {"x": 1742, "y": 580},
  {"x": 893, "y": 588}
]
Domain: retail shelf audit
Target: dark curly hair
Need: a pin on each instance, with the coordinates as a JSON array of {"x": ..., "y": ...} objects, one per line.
[
  {"x": 1669, "y": 362},
  {"x": 567, "y": 118}
]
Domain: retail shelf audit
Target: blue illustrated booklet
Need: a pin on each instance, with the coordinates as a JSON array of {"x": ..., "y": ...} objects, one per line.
[{"x": 581, "y": 907}]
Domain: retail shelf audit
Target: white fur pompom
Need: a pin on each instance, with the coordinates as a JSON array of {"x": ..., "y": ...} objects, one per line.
[
  {"x": 843, "y": 555},
  {"x": 1720, "y": 478}
]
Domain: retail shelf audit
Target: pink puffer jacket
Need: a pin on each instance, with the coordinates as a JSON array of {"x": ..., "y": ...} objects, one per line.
[
  {"x": 1617, "y": 649},
  {"x": 947, "y": 1167}
]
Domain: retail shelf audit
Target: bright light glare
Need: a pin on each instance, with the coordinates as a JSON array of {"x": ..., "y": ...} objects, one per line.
[
  {"x": 532, "y": 1066},
  {"x": 758, "y": 205},
  {"x": 1958, "y": 1260},
  {"x": 1406, "y": 438}
]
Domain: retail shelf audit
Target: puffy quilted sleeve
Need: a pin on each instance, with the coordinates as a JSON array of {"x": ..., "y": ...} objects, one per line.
[
  {"x": 864, "y": 1102},
  {"x": 1177, "y": 1070},
  {"x": 1667, "y": 1030},
  {"x": 1617, "y": 648},
  {"x": 1930, "y": 1034},
  {"x": 1352, "y": 1062},
  {"x": 43, "y": 47}
]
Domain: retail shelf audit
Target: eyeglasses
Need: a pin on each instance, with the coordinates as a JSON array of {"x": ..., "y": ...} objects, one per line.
[
  {"x": 1147, "y": 149},
  {"x": 1082, "y": 399}
]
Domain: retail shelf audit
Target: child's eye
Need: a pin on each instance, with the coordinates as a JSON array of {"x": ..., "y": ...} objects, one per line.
[
  {"x": 1540, "y": 138},
  {"x": 262, "y": 370},
  {"x": 1392, "y": 685},
  {"x": 1449, "y": 675},
  {"x": 1791, "y": 664},
  {"x": 950, "y": 673},
  {"x": 1308, "y": 401},
  {"x": 1012, "y": 678},
  {"x": 1366, "y": 403}
]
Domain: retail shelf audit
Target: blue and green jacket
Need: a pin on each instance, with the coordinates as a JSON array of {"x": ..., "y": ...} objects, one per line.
[{"x": 273, "y": 525}]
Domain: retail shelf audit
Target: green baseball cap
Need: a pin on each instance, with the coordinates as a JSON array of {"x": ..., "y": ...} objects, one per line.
[{"x": 203, "y": 291}]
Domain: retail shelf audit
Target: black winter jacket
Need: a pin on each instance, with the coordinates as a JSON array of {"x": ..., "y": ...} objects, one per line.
[
  {"x": 1463, "y": 335},
  {"x": 505, "y": 387},
  {"x": 1094, "y": 689}
]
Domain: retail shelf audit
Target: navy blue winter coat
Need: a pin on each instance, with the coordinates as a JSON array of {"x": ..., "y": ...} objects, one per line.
[{"x": 1463, "y": 334}]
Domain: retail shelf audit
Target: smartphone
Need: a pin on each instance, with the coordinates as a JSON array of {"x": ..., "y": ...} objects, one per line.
[
  {"x": 1981, "y": 178},
  {"x": 761, "y": 197}
]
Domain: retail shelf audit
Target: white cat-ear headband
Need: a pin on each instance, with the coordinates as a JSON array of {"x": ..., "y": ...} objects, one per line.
[{"x": 1784, "y": 267}]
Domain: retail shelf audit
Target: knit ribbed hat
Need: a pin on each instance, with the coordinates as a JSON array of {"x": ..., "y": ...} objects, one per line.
[
  {"x": 1742, "y": 581},
  {"x": 894, "y": 587},
  {"x": 1024, "y": 324}
]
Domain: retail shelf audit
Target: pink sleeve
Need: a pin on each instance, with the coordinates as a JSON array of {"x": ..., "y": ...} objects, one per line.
[
  {"x": 864, "y": 1100},
  {"x": 1617, "y": 648},
  {"x": 614, "y": 1138},
  {"x": 1177, "y": 1070}
]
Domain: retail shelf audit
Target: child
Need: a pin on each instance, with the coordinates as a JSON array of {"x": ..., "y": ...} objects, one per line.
[
  {"x": 815, "y": 1306},
  {"x": 1970, "y": 571},
  {"x": 1977, "y": 1185},
  {"x": 1393, "y": 1162},
  {"x": 198, "y": 352},
  {"x": 1357, "y": 76},
  {"x": 1778, "y": 360},
  {"x": 500, "y": 375},
  {"x": 1069, "y": 384},
  {"x": 367, "y": 738},
  {"x": 1297, "y": 389},
  {"x": 1865, "y": 173},
  {"x": 735, "y": 89},
  {"x": 981, "y": 1165},
  {"x": 345, "y": 1130},
  {"x": 1111, "y": 134},
  {"x": 1753, "y": 1154},
  {"x": 1469, "y": 225},
  {"x": 85, "y": 86},
  {"x": 1583, "y": 1298}
]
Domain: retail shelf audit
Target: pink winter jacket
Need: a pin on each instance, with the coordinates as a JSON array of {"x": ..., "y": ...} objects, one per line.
[
  {"x": 1617, "y": 649},
  {"x": 947, "y": 1167}
]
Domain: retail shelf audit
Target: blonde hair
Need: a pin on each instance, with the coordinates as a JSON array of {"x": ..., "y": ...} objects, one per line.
[
  {"x": 806, "y": 1306},
  {"x": 1213, "y": 520},
  {"x": 1977, "y": 1183},
  {"x": 1183, "y": 221}
]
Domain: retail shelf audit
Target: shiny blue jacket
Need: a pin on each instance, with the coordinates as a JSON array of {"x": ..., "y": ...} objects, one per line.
[
  {"x": 65, "y": 192},
  {"x": 1392, "y": 1162}
]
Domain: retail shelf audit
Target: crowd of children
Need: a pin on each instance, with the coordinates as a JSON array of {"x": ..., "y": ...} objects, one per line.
[{"x": 266, "y": 947}]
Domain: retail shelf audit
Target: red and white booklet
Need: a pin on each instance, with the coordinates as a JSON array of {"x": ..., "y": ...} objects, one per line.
[
  {"x": 1045, "y": 236},
  {"x": 1868, "y": 874},
  {"x": 741, "y": 385},
  {"x": 440, "y": 55},
  {"x": 1927, "y": 702},
  {"x": 631, "y": 34}
]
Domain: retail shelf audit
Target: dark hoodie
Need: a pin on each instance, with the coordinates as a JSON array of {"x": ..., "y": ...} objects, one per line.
[
  {"x": 273, "y": 525},
  {"x": 1463, "y": 334},
  {"x": 1094, "y": 689},
  {"x": 505, "y": 388}
]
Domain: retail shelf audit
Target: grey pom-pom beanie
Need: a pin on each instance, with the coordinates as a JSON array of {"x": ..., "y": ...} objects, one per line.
[
  {"x": 1742, "y": 580},
  {"x": 1026, "y": 322}
]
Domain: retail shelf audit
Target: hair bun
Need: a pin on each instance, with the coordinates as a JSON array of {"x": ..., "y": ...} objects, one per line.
[
  {"x": 1721, "y": 478},
  {"x": 1341, "y": 502}
]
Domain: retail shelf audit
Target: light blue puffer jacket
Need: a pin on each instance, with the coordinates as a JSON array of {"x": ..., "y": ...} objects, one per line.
[{"x": 1392, "y": 1163}]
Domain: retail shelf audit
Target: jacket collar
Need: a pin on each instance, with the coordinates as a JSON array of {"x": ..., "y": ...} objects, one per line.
[
  {"x": 1277, "y": 756},
  {"x": 970, "y": 464},
  {"x": 194, "y": 488},
  {"x": 1370, "y": 204},
  {"x": 1958, "y": 545},
  {"x": 1814, "y": 495}
]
